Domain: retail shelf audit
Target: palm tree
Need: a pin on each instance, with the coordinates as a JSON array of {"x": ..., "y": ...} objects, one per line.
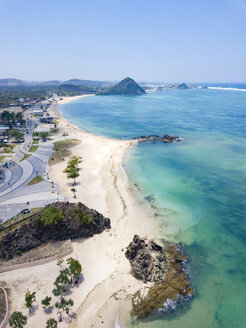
[
  {"x": 46, "y": 301},
  {"x": 29, "y": 299}
]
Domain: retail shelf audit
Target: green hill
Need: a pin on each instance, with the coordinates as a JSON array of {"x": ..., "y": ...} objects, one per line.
[{"x": 125, "y": 87}]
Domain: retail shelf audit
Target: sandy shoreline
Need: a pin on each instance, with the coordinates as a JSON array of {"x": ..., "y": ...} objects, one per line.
[{"x": 107, "y": 283}]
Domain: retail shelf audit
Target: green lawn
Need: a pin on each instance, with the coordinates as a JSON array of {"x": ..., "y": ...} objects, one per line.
[
  {"x": 33, "y": 148},
  {"x": 7, "y": 149},
  {"x": 35, "y": 180},
  {"x": 25, "y": 157},
  {"x": 53, "y": 131},
  {"x": 62, "y": 151}
]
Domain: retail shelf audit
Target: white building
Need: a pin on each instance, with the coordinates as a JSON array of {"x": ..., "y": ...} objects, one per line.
[
  {"x": 3, "y": 129},
  {"x": 37, "y": 112}
]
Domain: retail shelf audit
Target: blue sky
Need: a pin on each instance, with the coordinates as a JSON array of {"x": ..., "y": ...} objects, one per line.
[{"x": 159, "y": 40}]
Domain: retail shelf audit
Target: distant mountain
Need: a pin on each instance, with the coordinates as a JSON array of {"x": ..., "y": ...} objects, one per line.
[
  {"x": 76, "y": 89},
  {"x": 48, "y": 83},
  {"x": 91, "y": 84},
  {"x": 125, "y": 87},
  {"x": 12, "y": 82},
  {"x": 87, "y": 83}
]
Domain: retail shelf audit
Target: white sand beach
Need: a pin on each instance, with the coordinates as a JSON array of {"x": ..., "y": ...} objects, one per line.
[{"x": 100, "y": 297}]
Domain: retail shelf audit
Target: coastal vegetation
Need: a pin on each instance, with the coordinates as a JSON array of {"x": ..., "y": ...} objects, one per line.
[
  {"x": 62, "y": 151},
  {"x": 16, "y": 134},
  {"x": 51, "y": 215},
  {"x": 11, "y": 118},
  {"x": 17, "y": 320},
  {"x": 73, "y": 90},
  {"x": 20, "y": 93},
  {"x": 72, "y": 169},
  {"x": 46, "y": 302},
  {"x": 51, "y": 323},
  {"x": 30, "y": 298},
  {"x": 74, "y": 192},
  {"x": 82, "y": 216},
  {"x": 13, "y": 95},
  {"x": 42, "y": 135},
  {"x": 68, "y": 275}
]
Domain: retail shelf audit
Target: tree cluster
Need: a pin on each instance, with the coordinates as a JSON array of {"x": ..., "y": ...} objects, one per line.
[
  {"x": 11, "y": 118},
  {"x": 67, "y": 275},
  {"x": 72, "y": 169}
]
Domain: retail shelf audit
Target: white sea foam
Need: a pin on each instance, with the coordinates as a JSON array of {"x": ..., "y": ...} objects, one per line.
[
  {"x": 227, "y": 89},
  {"x": 117, "y": 322},
  {"x": 124, "y": 173},
  {"x": 169, "y": 305}
]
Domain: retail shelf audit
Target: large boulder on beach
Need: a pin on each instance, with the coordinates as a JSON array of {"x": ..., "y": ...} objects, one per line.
[{"x": 162, "y": 267}]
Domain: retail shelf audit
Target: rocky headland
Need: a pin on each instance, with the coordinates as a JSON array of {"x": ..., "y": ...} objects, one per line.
[
  {"x": 162, "y": 268},
  {"x": 76, "y": 221}
]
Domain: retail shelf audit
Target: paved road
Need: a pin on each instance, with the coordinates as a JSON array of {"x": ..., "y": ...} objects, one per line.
[{"x": 15, "y": 193}]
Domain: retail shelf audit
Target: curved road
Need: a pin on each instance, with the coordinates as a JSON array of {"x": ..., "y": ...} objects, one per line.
[{"x": 15, "y": 193}]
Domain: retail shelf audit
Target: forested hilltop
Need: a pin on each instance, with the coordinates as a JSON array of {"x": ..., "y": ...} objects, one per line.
[{"x": 14, "y": 92}]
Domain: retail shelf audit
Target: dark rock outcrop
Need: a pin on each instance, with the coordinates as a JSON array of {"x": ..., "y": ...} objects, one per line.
[
  {"x": 148, "y": 260},
  {"x": 163, "y": 266},
  {"x": 153, "y": 138},
  {"x": 125, "y": 87},
  {"x": 34, "y": 233}
]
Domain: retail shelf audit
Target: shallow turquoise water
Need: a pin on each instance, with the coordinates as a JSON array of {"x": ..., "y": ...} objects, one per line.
[{"x": 197, "y": 188}]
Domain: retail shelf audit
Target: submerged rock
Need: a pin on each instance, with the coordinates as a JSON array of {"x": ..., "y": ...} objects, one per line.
[
  {"x": 163, "y": 266},
  {"x": 153, "y": 138}
]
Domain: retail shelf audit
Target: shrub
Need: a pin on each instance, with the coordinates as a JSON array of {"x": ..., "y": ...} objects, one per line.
[
  {"x": 51, "y": 215},
  {"x": 82, "y": 216}
]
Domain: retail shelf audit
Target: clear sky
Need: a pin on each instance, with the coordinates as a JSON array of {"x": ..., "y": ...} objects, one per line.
[{"x": 158, "y": 40}]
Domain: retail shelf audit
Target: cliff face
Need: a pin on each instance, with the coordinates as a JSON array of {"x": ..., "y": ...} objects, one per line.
[
  {"x": 125, "y": 87},
  {"x": 34, "y": 232}
]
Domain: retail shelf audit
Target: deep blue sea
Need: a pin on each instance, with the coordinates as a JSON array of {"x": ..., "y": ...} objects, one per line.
[{"x": 198, "y": 187}]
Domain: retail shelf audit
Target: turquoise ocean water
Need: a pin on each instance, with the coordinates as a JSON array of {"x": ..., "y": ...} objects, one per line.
[{"x": 197, "y": 188}]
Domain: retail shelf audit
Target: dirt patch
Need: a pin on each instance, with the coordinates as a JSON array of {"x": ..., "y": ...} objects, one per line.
[{"x": 39, "y": 253}]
